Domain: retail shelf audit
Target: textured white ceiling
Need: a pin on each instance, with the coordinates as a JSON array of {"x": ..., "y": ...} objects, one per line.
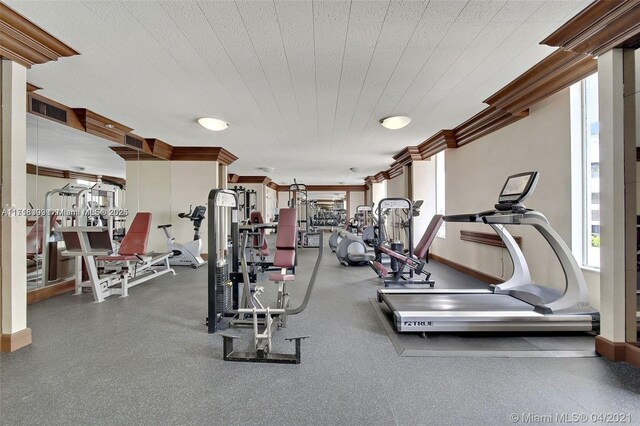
[{"x": 303, "y": 84}]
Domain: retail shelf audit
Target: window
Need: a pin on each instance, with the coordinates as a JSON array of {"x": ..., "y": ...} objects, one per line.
[
  {"x": 585, "y": 171},
  {"x": 440, "y": 191}
]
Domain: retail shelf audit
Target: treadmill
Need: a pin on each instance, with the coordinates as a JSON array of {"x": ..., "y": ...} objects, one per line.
[{"x": 517, "y": 305}]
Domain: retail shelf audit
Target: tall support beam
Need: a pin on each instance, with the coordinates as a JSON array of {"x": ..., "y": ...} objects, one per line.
[
  {"x": 613, "y": 204},
  {"x": 13, "y": 269},
  {"x": 631, "y": 76}
]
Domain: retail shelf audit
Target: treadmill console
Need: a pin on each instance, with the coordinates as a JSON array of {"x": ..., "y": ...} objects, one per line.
[{"x": 515, "y": 190}]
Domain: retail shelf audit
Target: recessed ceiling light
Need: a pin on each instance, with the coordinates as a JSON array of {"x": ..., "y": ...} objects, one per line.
[
  {"x": 396, "y": 122},
  {"x": 341, "y": 183},
  {"x": 354, "y": 169},
  {"x": 212, "y": 124},
  {"x": 78, "y": 168},
  {"x": 268, "y": 169}
]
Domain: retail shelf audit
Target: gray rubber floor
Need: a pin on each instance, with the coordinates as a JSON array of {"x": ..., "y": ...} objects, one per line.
[{"x": 147, "y": 359}]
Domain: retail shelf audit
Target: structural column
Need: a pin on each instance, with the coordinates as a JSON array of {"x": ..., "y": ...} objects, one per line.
[
  {"x": 614, "y": 205},
  {"x": 15, "y": 333}
]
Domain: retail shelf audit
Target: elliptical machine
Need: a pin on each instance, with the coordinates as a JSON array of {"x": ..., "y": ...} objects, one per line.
[{"x": 187, "y": 254}]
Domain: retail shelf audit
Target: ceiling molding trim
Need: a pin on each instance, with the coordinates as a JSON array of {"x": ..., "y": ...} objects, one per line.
[
  {"x": 382, "y": 176},
  {"x": 601, "y": 26},
  {"x": 132, "y": 154},
  {"x": 159, "y": 148},
  {"x": 407, "y": 156},
  {"x": 32, "y": 87},
  {"x": 232, "y": 178},
  {"x": 396, "y": 170},
  {"x": 24, "y": 42},
  {"x": 135, "y": 148},
  {"x": 323, "y": 188},
  {"x": 32, "y": 169},
  {"x": 251, "y": 179},
  {"x": 202, "y": 153},
  {"x": 439, "y": 142},
  {"x": 273, "y": 186},
  {"x": 225, "y": 157},
  {"x": 485, "y": 122},
  {"x": 102, "y": 126},
  {"x": 552, "y": 74}
]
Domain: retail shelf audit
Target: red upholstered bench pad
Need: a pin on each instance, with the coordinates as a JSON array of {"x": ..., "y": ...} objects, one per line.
[{"x": 281, "y": 277}]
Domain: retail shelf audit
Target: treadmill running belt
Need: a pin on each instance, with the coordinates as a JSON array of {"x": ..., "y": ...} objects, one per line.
[
  {"x": 474, "y": 313},
  {"x": 455, "y": 302}
]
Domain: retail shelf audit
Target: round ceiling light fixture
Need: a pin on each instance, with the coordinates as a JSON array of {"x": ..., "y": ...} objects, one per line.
[
  {"x": 214, "y": 124},
  {"x": 395, "y": 122},
  {"x": 268, "y": 169}
]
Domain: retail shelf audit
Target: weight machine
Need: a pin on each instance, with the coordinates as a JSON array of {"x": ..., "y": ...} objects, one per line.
[
  {"x": 247, "y": 202},
  {"x": 298, "y": 200}
]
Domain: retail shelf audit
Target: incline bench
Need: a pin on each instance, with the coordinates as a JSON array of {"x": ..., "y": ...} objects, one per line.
[{"x": 113, "y": 274}]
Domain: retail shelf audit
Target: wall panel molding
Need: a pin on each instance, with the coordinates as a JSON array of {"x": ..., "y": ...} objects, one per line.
[
  {"x": 486, "y": 238},
  {"x": 24, "y": 42}
]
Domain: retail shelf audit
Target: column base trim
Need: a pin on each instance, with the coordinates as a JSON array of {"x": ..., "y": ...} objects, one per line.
[
  {"x": 618, "y": 351},
  {"x": 15, "y": 341},
  {"x": 633, "y": 354},
  {"x": 50, "y": 291}
]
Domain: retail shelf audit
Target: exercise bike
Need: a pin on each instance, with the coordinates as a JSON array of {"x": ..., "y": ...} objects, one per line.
[{"x": 187, "y": 254}]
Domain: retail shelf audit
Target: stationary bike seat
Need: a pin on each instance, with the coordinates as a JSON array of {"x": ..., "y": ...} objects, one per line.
[{"x": 164, "y": 226}]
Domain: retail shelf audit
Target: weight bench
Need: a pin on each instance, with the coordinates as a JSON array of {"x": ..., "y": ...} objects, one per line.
[
  {"x": 114, "y": 274},
  {"x": 415, "y": 263}
]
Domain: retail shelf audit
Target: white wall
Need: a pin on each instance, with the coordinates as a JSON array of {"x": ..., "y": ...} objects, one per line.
[
  {"x": 378, "y": 192},
  {"x": 191, "y": 182},
  {"x": 166, "y": 188},
  {"x": 424, "y": 188},
  {"x": 476, "y": 172},
  {"x": 271, "y": 204},
  {"x": 396, "y": 187},
  {"x": 356, "y": 198},
  {"x": 283, "y": 199},
  {"x": 149, "y": 190}
]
